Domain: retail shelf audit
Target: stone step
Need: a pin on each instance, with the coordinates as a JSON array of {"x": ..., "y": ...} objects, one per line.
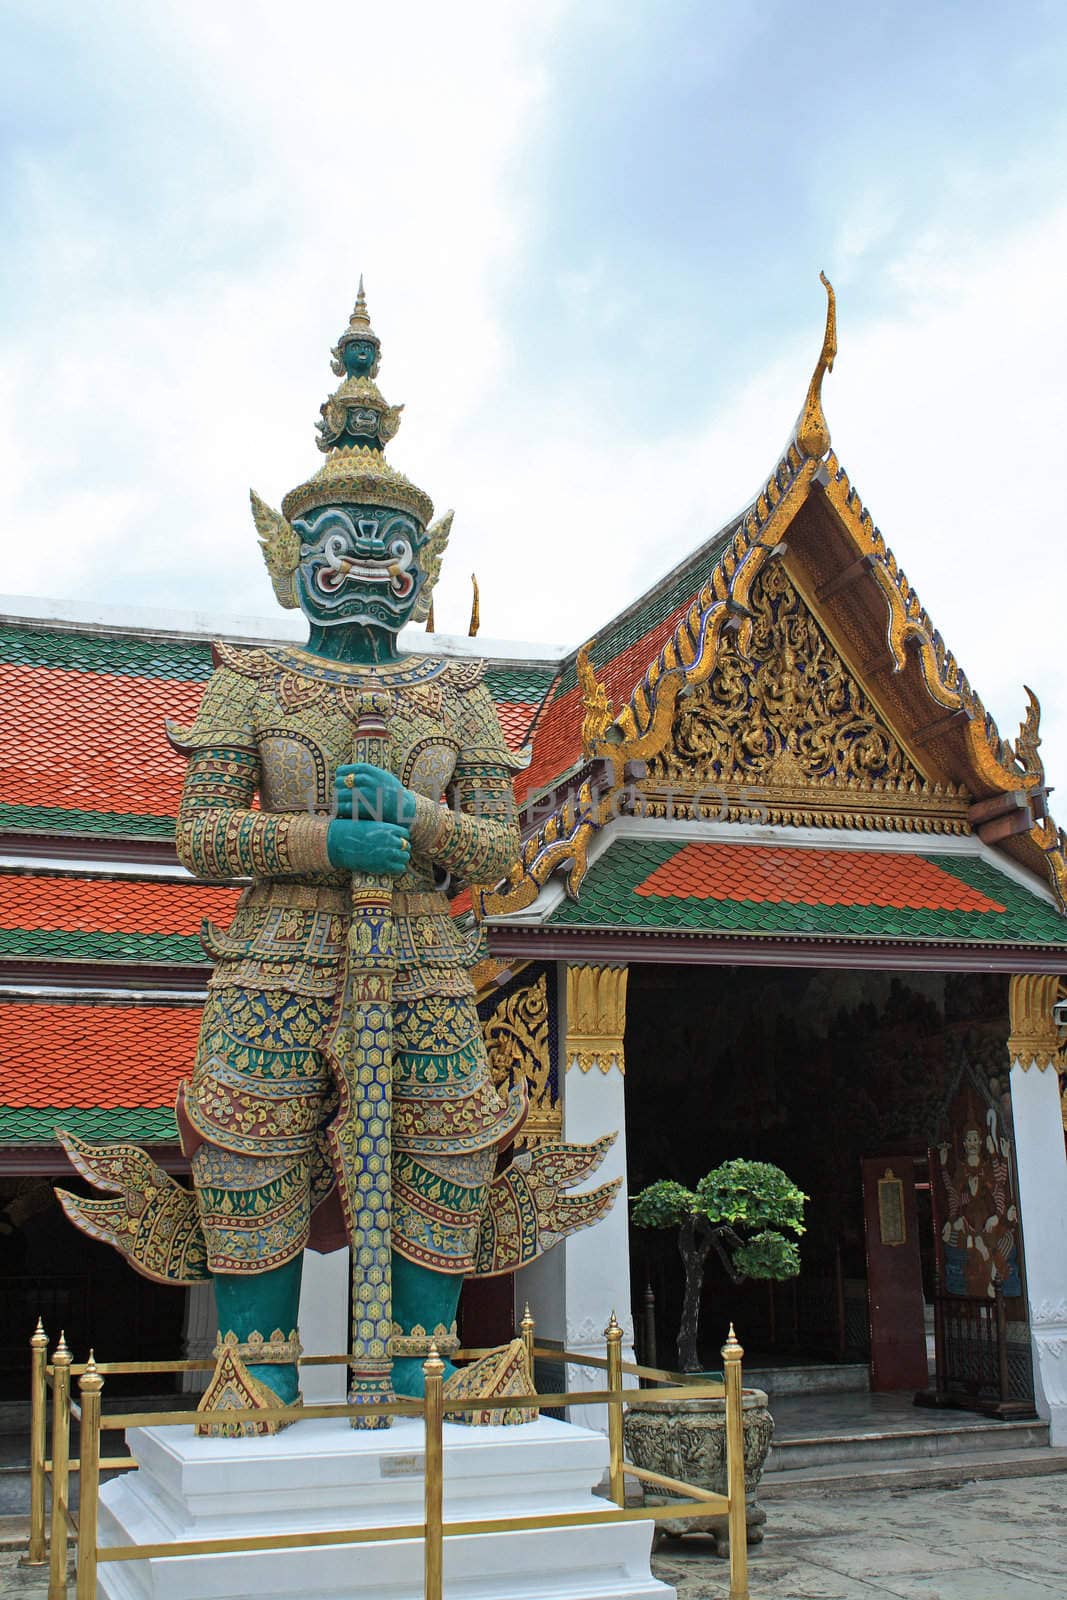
[
  {"x": 853, "y": 1377},
  {"x": 842, "y": 1450},
  {"x": 902, "y": 1473}
]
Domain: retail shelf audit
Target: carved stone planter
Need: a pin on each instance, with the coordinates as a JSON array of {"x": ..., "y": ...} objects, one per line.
[{"x": 687, "y": 1440}]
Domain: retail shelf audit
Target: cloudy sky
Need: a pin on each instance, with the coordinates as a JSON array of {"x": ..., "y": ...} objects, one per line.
[{"x": 591, "y": 232}]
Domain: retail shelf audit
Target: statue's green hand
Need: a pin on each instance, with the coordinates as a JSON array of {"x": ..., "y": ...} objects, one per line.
[
  {"x": 380, "y": 848},
  {"x": 373, "y": 795}
]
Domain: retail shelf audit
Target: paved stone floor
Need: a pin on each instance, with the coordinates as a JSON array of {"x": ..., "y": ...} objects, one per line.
[{"x": 1003, "y": 1540}]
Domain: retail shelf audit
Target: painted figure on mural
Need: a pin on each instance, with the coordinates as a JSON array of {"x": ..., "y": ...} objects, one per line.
[
  {"x": 979, "y": 1230},
  {"x": 340, "y": 1088}
]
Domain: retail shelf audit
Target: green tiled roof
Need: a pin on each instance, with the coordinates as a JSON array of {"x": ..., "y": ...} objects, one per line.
[
  {"x": 518, "y": 684},
  {"x": 54, "y": 944},
  {"x": 37, "y": 1125},
  {"x": 608, "y": 899},
  {"x": 117, "y": 654},
  {"x": 111, "y": 824}
]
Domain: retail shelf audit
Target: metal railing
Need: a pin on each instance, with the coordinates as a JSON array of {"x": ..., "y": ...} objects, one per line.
[{"x": 58, "y": 1469}]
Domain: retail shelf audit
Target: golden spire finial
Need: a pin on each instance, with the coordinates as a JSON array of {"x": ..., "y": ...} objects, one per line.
[
  {"x": 476, "y": 609},
  {"x": 429, "y": 619},
  {"x": 598, "y": 718},
  {"x": 360, "y": 314},
  {"x": 812, "y": 433}
]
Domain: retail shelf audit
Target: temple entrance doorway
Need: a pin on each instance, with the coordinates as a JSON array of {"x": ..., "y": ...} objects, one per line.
[{"x": 851, "y": 1081}]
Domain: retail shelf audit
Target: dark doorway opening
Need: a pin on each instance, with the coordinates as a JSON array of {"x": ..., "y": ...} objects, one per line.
[{"x": 814, "y": 1070}]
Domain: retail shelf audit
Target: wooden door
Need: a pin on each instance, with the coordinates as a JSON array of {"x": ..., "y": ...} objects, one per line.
[{"x": 894, "y": 1274}]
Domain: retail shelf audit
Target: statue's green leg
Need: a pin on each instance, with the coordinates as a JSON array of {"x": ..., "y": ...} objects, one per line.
[
  {"x": 426, "y": 1299},
  {"x": 261, "y": 1302}
]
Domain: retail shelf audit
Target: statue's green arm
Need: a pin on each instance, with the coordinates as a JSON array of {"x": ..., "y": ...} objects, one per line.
[
  {"x": 218, "y": 834},
  {"x": 474, "y": 833}
]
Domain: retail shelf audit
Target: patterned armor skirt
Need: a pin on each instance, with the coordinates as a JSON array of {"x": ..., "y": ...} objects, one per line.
[{"x": 255, "y": 1113}]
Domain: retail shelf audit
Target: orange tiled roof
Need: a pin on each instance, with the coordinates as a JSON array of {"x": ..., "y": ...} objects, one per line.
[
  {"x": 103, "y": 905},
  {"x": 89, "y": 741},
  {"x": 557, "y": 736},
  {"x": 79, "y": 745},
  {"x": 96, "y": 1055},
  {"x": 791, "y": 876}
]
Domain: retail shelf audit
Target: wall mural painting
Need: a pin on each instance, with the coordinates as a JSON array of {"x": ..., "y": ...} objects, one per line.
[{"x": 974, "y": 1196}]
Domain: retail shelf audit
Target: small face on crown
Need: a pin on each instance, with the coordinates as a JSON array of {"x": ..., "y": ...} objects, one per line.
[
  {"x": 360, "y": 357},
  {"x": 359, "y": 564}
]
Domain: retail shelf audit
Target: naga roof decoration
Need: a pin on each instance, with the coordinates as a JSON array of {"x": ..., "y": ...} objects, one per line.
[{"x": 951, "y": 770}]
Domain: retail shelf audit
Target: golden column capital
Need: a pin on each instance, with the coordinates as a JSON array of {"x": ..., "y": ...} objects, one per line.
[
  {"x": 1035, "y": 1040},
  {"x": 596, "y": 1017}
]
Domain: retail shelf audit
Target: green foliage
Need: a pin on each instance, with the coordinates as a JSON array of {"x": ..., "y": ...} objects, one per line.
[
  {"x": 665, "y": 1204},
  {"x": 747, "y": 1208},
  {"x": 768, "y": 1255},
  {"x": 751, "y": 1194}
]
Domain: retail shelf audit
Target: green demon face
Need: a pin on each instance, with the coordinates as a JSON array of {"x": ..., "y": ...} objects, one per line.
[{"x": 359, "y": 564}]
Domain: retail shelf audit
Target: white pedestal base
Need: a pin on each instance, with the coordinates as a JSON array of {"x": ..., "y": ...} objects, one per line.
[{"x": 321, "y": 1475}]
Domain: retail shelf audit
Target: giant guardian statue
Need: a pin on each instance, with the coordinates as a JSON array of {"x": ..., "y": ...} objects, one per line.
[{"x": 340, "y": 1091}]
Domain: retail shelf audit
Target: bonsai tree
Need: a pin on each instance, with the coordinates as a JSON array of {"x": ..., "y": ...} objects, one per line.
[{"x": 745, "y": 1211}]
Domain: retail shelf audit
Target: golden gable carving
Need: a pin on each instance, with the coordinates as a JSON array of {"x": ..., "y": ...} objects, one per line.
[{"x": 789, "y": 735}]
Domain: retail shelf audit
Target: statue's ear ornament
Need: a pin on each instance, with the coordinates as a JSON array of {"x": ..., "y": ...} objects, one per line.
[
  {"x": 280, "y": 544},
  {"x": 430, "y": 557}
]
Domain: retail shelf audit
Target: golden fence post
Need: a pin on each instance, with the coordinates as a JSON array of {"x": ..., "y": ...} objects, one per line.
[
  {"x": 735, "y": 1468},
  {"x": 57, "y": 1554},
  {"x": 35, "y": 1553},
  {"x": 434, "y": 1370},
  {"x": 613, "y": 1335},
  {"x": 526, "y": 1328},
  {"x": 89, "y": 1388}
]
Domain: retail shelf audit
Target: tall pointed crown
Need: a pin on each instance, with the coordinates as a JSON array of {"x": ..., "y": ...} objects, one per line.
[
  {"x": 358, "y": 330},
  {"x": 355, "y": 426}
]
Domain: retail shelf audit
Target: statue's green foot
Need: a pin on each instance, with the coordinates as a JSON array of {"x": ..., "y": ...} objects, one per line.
[
  {"x": 409, "y": 1382},
  {"x": 284, "y": 1382}
]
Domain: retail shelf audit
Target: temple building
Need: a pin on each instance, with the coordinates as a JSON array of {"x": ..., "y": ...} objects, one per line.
[{"x": 785, "y": 892}]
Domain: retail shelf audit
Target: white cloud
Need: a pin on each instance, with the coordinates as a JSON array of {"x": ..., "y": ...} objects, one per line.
[{"x": 177, "y": 352}]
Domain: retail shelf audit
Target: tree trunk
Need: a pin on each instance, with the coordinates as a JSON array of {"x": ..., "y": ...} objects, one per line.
[{"x": 693, "y": 1250}]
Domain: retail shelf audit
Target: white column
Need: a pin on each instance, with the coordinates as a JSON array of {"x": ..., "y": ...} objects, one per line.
[
  {"x": 1042, "y": 1167},
  {"x": 596, "y": 1261},
  {"x": 324, "y": 1327},
  {"x": 199, "y": 1333}
]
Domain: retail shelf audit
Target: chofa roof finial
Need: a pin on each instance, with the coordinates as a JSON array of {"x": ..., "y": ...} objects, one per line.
[{"x": 812, "y": 434}]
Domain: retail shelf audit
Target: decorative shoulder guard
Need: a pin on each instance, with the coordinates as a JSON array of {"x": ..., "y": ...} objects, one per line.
[
  {"x": 465, "y": 674},
  {"x": 224, "y": 716}
]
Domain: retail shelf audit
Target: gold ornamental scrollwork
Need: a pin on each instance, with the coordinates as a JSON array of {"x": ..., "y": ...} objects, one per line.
[
  {"x": 789, "y": 732},
  {"x": 596, "y": 1017},
  {"x": 517, "y": 1045},
  {"x": 1035, "y": 1039}
]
